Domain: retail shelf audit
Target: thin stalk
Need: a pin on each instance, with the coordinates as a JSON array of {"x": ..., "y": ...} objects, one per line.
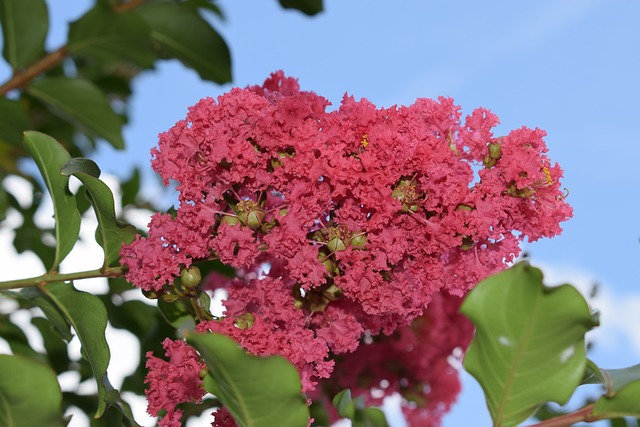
[{"x": 109, "y": 272}]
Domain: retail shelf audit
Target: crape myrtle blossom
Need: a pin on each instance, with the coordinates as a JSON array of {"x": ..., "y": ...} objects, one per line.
[{"x": 363, "y": 215}]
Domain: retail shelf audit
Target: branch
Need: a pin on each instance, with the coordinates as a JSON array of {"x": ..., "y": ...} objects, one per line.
[
  {"x": 109, "y": 272},
  {"x": 23, "y": 77},
  {"x": 566, "y": 420}
]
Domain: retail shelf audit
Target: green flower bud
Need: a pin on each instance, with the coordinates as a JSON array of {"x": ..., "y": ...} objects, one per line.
[
  {"x": 337, "y": 244},
  {"x": 170, "y": 297},
  {"x": 231, "y": 220},
  {"x": 495, "y": 151},
  {"x": 190, "y": 277},
  {"x": 359, "y": 241},
  {"x": 151, "y": 294}
]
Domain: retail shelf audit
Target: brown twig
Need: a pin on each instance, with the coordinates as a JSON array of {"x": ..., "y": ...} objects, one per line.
[{"x": 583, "y": 414}]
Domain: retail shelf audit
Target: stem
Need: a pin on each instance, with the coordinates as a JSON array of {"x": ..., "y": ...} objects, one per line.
[
  {"x": 566, "y": 420},
  {"x": 109, "y": 272},
  {"x": 23, "y": 77}
]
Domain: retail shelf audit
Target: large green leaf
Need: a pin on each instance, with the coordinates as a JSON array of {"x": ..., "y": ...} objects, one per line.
[
  {"x": 49, "y": 155},
  {"x": 258, "y": 391},
  {"x": 180, "y": 32},
  {"x": 309, "y": 7},
  {"x": 111, "y": 37},
  {"x": 14, "y": 121},
  {"x": 55, "y": 347},
  {"x": 82, "y": 104},
  {"x": 111, "y": 232},
  {"x": 88, "y": 316},
  {"x": 29, "y": 394},
  {"x": 24, "y": 29},
  {"x": 529, "y": 343}
]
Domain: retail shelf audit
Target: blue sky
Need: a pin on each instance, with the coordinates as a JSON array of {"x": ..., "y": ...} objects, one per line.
[{"x": 570, "y": 67}]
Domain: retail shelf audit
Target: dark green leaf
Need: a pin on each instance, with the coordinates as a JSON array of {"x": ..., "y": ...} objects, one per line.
[
  {"x": 49, "y": 155},
  {"x": 17, "y": 340},
  {"x": 529, "y": 343},
  {"x": 80, "y": 164},
  {"x": 200, "y": 48},
  {"x": 130, "y": 188},
  {"x": 24, "y": 30},
  {"x": 88, "y": 316},
  {"x": 626, "y": 403},
  {"x": 113, "y": 398},
  {"x": 82, "y": 104},
  {"x": 34, "y": 297},
  {"x": 111, "y": 37},
  {"x": 612, "y": 379},
  {"x": 112, "y": 232},
  {"x": 55, "y": 347},
  {"x": 309, "y": 7},
  {"x": 258, "y": 391},
  {"x": 14, "y": 121},
  {"x": 29, "y": 394},
  {"x": 178, "y": 313}
]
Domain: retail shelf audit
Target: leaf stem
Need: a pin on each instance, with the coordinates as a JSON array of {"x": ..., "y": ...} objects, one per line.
[
  {"x": 583, "y": 414},
  {"x": 109, "y": 272}
]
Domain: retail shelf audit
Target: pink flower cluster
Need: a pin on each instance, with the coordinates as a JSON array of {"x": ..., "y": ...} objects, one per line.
[
  {"x": 341, "y": 223},
  {"x": 173, "y": 382}
]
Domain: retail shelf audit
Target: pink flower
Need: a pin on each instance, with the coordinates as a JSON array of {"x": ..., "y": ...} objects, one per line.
[{"x": 173, "y": 382}]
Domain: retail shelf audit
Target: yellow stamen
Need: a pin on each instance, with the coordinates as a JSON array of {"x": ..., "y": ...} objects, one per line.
[
  {"x": 547, "y": 175},
  {"x": 365, "y": 141}
]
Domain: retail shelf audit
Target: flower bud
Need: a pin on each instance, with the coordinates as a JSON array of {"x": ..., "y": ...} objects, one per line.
[
  {"x": 190, "y": 277},
  {"x": 151, "y": 294},
  {"x": 359, "y": 240},
  {"x": 231, "y": 220}
]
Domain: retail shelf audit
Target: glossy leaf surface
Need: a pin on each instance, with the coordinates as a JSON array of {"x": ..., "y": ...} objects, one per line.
[
  {"x": 529, "y": 343},
  {"x": 258, "y": 391}
]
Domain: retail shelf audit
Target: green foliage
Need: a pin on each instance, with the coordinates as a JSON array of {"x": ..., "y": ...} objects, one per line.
[
  {"x": 19, "y": 405},
  {"x": 111, "y": 233},
  {"x": 108, "y": 38},
  {"x": 88, "y": 316},
  {"x": 82, "y": 104},
  {"x": 13, "y": 120},
  {"x": 24, "y": 28},
  {"x": 529, "y": 343},
  {"x": 258, "y": 391},
  {"x": 50, "y": 156},
  {"x": 200, "y": 48},
  {"x": 356, "y": 411}
]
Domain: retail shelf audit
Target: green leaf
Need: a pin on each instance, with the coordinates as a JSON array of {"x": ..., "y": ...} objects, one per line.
[
  {"x": 24, "y": 30},
  {"x": 258, "y": 391},
  {"x": 55, "y": 347},
  {"x": 88, "y": 316},
  {"x": 309, "y": 7},
  {"x": 14, "y": 121},
  {"x": 200, "y": 48},
  {"x": 111, "y": 232},
  {"x": 612, "y": 379},
  {"x": 35, "y": 298},
  {"x": 178, "y": 313},
  {"x": 626, "y": 403},
  {"x": 355, "y": 410},
  {"x": 49, "y": 155},
  {"x": 110, "y": 37},
  {"x": 29, "y": 394},
  {"x": 17, "y": 340},
  {"x": 529, "y": 343},
  {"x": 82, "y": 104}
]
